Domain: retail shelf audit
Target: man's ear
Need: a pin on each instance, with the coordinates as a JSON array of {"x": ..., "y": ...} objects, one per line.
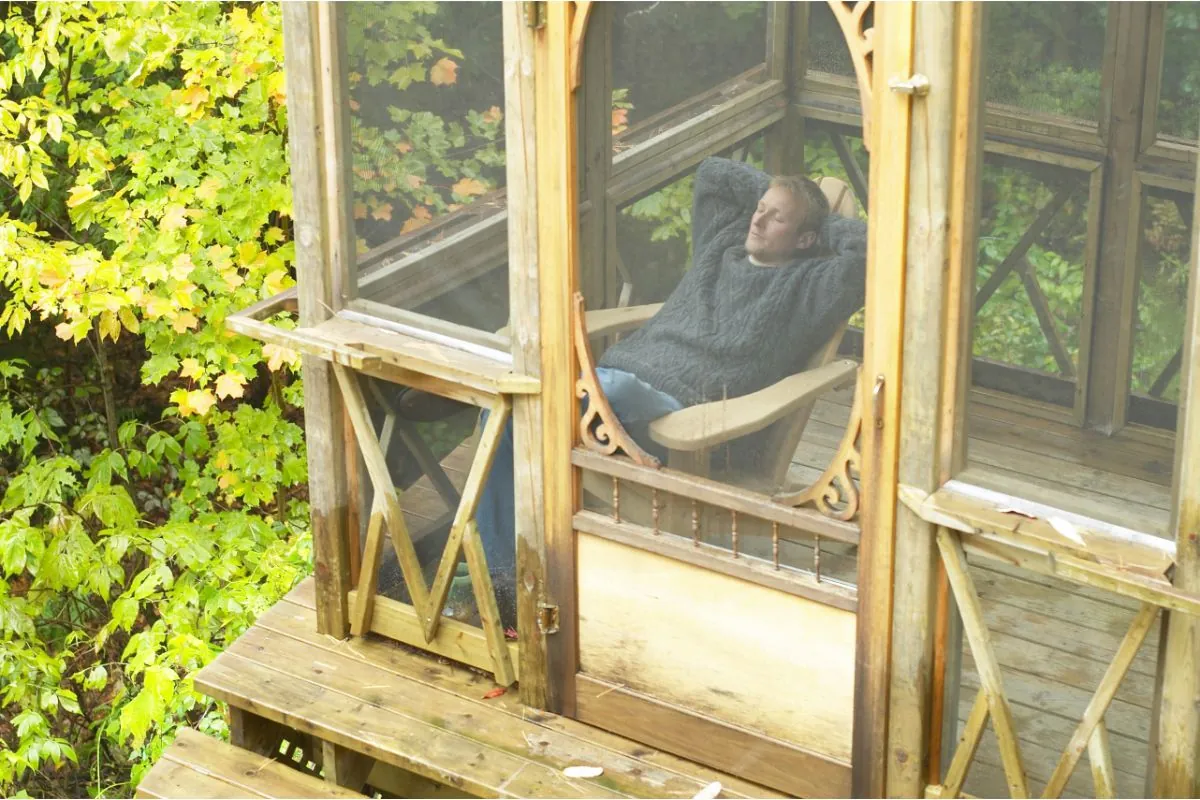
[{"x": 806, "y": 240}]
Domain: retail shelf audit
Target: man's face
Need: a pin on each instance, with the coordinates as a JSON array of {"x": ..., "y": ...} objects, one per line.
[{"x": 774, "y": 235}]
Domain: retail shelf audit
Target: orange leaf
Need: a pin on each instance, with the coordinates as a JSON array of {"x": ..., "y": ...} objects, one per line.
[
  {"x": 468, "y": 187},
  {"x": 414, "y": 181},
  {"x": 383, "y": 212},
  {"x": 360, "y": 210},
  {"x": 494, "y": 693},
  {"x": 443, "y": 73},
  {"x": 493, "y": 114},
  {"x": 620, "y": 119},
  {"x": 404, "y": 147}
]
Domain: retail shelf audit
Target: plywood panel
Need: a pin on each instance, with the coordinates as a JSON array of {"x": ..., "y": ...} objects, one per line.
[{"x": 681, "y": 634}]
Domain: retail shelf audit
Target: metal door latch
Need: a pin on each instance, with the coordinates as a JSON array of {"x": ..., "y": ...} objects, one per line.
[{"x": 917, "y": 85}]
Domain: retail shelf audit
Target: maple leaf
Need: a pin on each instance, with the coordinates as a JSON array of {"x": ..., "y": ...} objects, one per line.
[
  {"x": 360, "y": 209},
  {"x": 383, "y": 212},
  {"x": 173, "y": 218},
  {"x": 419, "y": 219},
  {"x": 184, "y": 322},
  {"x": 493, "y": 114},
  {"x": 80, "y": 195},
  {"x": 468, "y": 187},
  {"x": 191, "y": 369},
  {"x": 443, "y": 73},
  {"x": 414, "y": 181},
  {"x": 230, "y": 384},
  {"x": 403, "y": 147},
  {"x": 278, "y": 355},
  {"x": 182, "y": 266},
  {"x": 620, "y": 120},
  {"x": 207, "y": 190},
  {"x": 196, "y": 401}
]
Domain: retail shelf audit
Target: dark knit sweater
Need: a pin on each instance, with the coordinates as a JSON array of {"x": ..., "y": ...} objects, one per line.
[{"x": 730, "y": 328}]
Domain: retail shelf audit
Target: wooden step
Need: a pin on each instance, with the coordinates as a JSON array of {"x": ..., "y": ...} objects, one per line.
[
  {"x": 432, "y": 719},
  {"x": 199, "y": 766}
]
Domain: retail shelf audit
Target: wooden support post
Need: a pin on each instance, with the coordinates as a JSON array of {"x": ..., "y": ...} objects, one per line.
[
  {"x": 256, "y": 734},
  {"x": 1106, "y": 342},
  {"x": 1177, "y": 771},
  {"x": 538, "y": 689},
  {"x": 319, "y": 294},
  {"x": 880, "y": 385},
  {"x": 345, "y": 767},
  {"x": 787, "y": 48},
  {"x": 597, "y": 279},
  {"x": 557, "y": 277},
  {"x": 941, "y": 206}
]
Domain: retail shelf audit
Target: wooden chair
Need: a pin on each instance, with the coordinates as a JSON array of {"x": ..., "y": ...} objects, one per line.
[{"x": 693, "y": 434}]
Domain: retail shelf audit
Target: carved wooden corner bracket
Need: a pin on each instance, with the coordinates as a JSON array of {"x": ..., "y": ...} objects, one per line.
[
  {"x": 583, "y": 8},
  {"x": 852, "y": 17},
  {"x": 599, "y": 427},
  {"x": 835, "y": 494}
]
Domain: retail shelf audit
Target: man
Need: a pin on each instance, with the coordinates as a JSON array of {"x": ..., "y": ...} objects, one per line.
[{"x": 773, "y": 275}]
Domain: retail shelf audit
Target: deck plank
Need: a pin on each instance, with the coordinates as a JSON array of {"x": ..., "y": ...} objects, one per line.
[{"x": 360, "y": 694}]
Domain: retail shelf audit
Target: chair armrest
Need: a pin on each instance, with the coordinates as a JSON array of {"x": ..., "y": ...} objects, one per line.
[
  {"x": 701, "y": 426},
  {"x": 604, "y": 321}
]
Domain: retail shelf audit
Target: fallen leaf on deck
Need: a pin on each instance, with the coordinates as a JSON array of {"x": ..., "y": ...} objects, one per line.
[
  {"x": 1017, "y": 512},
  {"x": 709, "y": 792},
  {"x": 583, "y": 772},
  {"x": 494, "y": 693}
]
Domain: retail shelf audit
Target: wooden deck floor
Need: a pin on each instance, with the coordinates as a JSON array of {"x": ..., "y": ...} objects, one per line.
[{"x": 1053, "y": 639}]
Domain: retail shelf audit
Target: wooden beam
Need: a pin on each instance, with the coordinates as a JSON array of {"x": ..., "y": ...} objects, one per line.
[
  {"x": 597, "y": 277},
  {"x": 540, "y": 685},
  {"x": 1176, "y": 771},
  {"x": 319, "y": 295},
  {"x": 1108, "y": 345},
  {"x": 787, "y": 51},
  {"x": 925, "y": 398},
  {"x": 964, "y": 754},
  {"x": 557, "y": 281},
  {"x": 988, "y": 667},
  {"x": 880, "y": 384}
]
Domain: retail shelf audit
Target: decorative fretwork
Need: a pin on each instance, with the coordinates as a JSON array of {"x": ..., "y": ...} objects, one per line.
[
  {"x": 428, "y": 601},
  {"x": 992, "y": 702},
  {"x": 836, "y": 492},
  {"x": 599, "y": 427},
  {"x": 852, "y": 17}
]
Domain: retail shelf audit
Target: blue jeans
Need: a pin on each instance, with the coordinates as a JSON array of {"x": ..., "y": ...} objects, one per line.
[{"x": 636, "y": 404}]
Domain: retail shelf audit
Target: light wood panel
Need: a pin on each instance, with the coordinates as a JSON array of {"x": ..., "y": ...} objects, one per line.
[{"x": 681, "y": 634}]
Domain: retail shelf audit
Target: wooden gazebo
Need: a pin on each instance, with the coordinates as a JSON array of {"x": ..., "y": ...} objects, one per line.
[{"x": 977, "y": 564}]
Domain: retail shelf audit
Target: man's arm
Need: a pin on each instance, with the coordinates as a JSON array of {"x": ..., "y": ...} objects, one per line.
[
  {"x": 838, "y": 287},
  {"x": 725, "y": 193}
]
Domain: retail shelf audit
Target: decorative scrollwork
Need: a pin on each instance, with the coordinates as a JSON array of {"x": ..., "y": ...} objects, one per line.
[
  {"x": 836, "y": 494},
  {"x": 599, "y": 427},
  {"x": 583, "y": 9},
  {"x": 852, "y": 17}
]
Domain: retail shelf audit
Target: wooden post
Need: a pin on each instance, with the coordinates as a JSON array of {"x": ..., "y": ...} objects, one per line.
[
  {"x": 880, "y": 388},
  {"x": 1176, "y": 771},
  {"x": 1106, "y": 340},
  {"x": 319, "y": 293},
  {"x": 521, "y": 165},
  {"x": 594, "y": 122},
  {"x": 557, "y": 276},
  {"x": 787, "y": 40},
  {"x": 941, "y": 216}
]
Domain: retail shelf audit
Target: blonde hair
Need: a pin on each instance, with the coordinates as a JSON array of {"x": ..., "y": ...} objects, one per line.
[{"x": 805, "y": 190}]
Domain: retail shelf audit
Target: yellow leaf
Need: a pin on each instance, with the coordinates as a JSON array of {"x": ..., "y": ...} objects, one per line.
[
  {"x": 196, "y": 401},
  {"x": 109, "y": 325},
  {"x": 63, "y": 330},
  {"x": 80, "y": 195},
  {"x": 468, "y": 187},
  {"x": 383, "y": 212},
  {"x": 128, "y": 319},
  {"x": 230, "y": 385},
  {"x": 414, "y": 181},
  {"x": 194, "y": 96},
  {"x": 182, "y": 267},
  {"x": 277, "y": 356},
  {"x": 419, "y": 219},
  {"x": 208, "y": 188},
  {"x": 443, "y": 73},
  {"x": 154, "y": 273},
  {"x": 184, "y": 322},
  {"x": 247, "y": 253},
  {"x": 191, "y": 369},
  {"x": 157, "y": 306},
  {"x": 273, "y": 284},
  {"x": 219, "y": 256},
  {"x": 493, "y": 114},
  {"x": 404, "y": 147},
  {"x": 360, "y": 209},
  {"x": 174, "y": 218}
]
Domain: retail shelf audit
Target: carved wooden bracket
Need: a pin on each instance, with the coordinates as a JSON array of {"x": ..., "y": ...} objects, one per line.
[
  {"x": 852, "y": 17},
  {"x": 835, "y": 494},
  {"x": 583, "y": 9},
  {"x": 599, "y": 427}
]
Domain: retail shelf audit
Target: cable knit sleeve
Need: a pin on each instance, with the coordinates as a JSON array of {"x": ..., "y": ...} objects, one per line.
[
  {"x": 837, "y": 288},
  {"x": 725, "y": 194}
]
